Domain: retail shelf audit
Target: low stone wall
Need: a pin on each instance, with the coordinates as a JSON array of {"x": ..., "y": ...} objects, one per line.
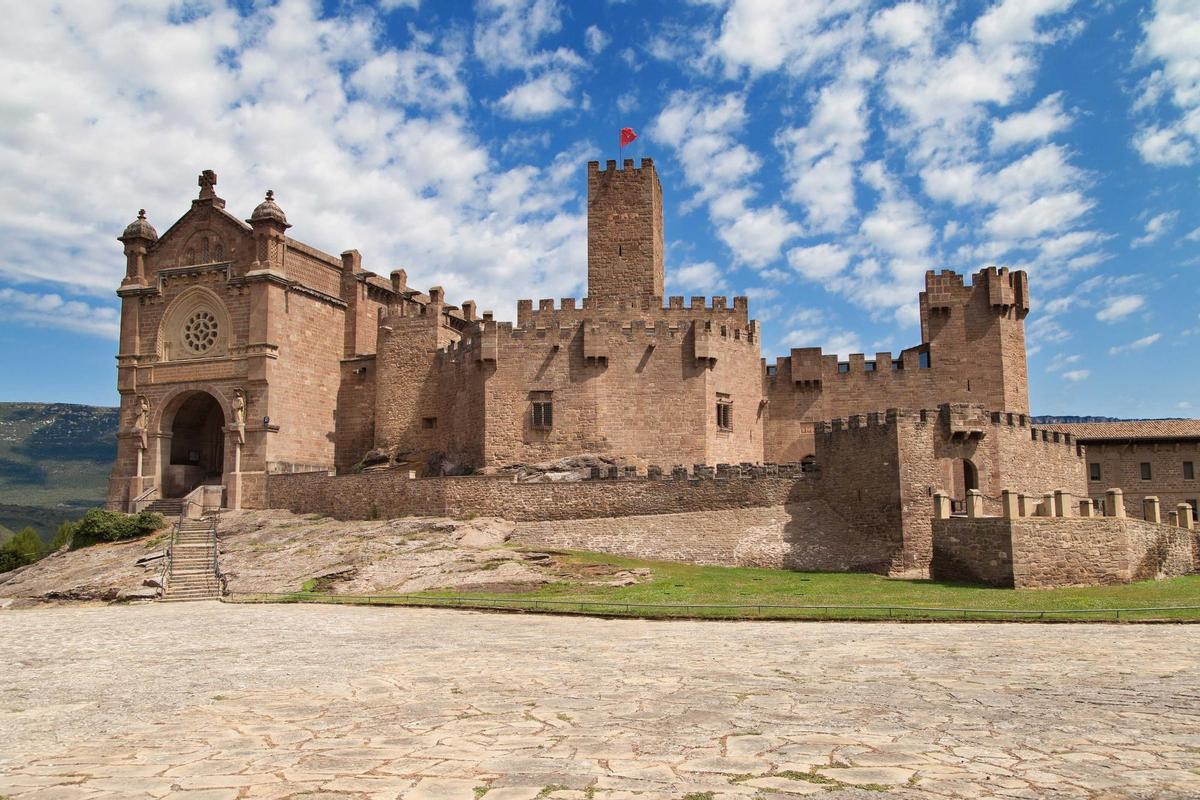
[
  {"x": 807, "y": 535},
  {"x": 1032, "y": 552},
  {"x": 973, "y": 551},
  {"x": 391, "y": 493}
]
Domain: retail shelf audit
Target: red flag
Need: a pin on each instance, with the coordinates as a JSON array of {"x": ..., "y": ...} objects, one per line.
[{"x": 627, "y": 136}]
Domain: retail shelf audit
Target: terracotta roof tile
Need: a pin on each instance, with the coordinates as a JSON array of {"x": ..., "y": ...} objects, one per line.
[{"x": 1139, "y": 429}]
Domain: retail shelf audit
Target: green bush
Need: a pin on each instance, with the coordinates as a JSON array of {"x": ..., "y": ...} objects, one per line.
[
  {"x": 24, "y": 548},
  {"x": 99, "y": 525},
  {"x": 63, "y": 537}
]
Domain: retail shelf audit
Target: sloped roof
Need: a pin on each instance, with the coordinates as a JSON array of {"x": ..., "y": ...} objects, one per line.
[{"x": 1139, "y": 429}]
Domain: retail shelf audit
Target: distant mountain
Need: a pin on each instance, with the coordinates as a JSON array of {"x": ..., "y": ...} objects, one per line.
[
  {"x": 54, "y": 462},
  {"x": 1069, "y": 419}
]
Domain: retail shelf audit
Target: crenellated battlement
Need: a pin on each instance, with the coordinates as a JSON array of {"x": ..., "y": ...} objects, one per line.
[
  {"x": 623, "y": 307},
  {"x": 628, "y": 171},
  {"x": 963, "y": 421},
  {"x": 811, "y": 368},
  {"x": 565, "y": 330},
  {"x": 1002, "y": 288}
]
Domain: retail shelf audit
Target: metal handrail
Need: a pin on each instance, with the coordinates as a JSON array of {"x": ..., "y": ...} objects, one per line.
[
  {"x": 214, "y": 525},
  {"x": 536, "y": 604},
  {"x": 141, "y": 500}
]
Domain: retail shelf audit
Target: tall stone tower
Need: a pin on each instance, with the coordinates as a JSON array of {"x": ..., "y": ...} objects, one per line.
[
  {"x": 976, "y": 336},
  {"x": 625, "y": 231}
]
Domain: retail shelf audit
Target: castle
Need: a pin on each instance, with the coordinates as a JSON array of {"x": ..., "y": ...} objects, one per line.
[{"x": 247, "y": 356}]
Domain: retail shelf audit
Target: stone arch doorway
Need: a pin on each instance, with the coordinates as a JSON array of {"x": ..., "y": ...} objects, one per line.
[
  {"x": 194, "y": 443},
  {"x": 970, "y": 476}
]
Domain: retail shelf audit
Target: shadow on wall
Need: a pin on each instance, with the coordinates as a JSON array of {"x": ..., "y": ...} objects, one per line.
[{"x": 817, "y": 538}]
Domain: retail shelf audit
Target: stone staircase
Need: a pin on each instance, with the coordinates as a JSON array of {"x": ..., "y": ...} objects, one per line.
[
  {"x": 193, "y": 574},
  {"x": 167, "y": 507}
]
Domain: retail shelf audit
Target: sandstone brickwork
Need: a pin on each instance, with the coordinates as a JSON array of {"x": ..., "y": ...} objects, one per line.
[
  {"x": 1121, "y": 453},
  {"x": 1043, "y": 552}
]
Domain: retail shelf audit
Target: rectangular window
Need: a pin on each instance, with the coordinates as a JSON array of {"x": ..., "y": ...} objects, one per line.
[
  {"x": 771, "y": 371},
  {"x": 843, "y": 366},
  {"x": 1195, "y": 511},
  {"x": 541, "y": 411},
  {"x": 1189, "y": 471},
  {"x": 429, "y": 423},
  {"x": 724, "y": 412},
  {"x": 1094, "y": 471},
  {"x": 1146, "y": 470},
  {"x": 923, "y": 360},
  {"x": 868, "y": 366}
]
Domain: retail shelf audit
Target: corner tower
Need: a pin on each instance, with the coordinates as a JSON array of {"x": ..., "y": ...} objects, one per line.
[
  {"x": 976, "y": 336},
  {"x": 625, "y": 231}
]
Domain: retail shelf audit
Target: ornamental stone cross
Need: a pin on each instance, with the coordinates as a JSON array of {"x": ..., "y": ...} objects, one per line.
[{"x": 206, "y": 181}]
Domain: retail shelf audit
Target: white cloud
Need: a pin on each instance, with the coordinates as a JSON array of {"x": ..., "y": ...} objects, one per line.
[
  {"x": 1062, "y": 361},
  {"x": 540, "y": 96},
  {"x": 904, "y": 25},
  {"x": 1156, "y": 227},
  {"x": 595, "y": 39},
  {"x": 702, "y": 276},
  {"x": 1194, "y": 236},
  {"x": 627, "y": 101},
  {"x": 821, "y": 156},
  {"x": 508, "y": 32},
  {"x": 392, "y": 5},
  {"x": 51, "y": 310},
  {"x": 414, "y": 76},
  {"x": 819, "y": 262},
  {"x": 764, "y": 35},
  {"x": 898, "y": 227},
  {"x": 267, "y": 96},
  {"x": 812, "y": 327},
  {"x": 1137, "y": 344},
  {"x": 702, "y": 130},
  {"x": 756, "y": 235},
  {"x": 1120, "y": 307},
  {"x": 1076, "y": 375},
  {"x": 1042, "y": 122},
  {"x": 1171, "y": 31}
]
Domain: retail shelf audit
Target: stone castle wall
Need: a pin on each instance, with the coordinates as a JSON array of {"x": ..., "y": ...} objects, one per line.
[
  {"x": 391, "y": 493},
  {"x": 972, "y": 351},
  {"x": 882, "y": 470},
  {"x": 1043, "y": 552},
  {"x": 807, "y": 534}
]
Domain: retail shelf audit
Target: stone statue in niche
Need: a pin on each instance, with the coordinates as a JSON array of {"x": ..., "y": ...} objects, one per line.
[
  {"x": 239, "y": 414},
  {"x": 141, "y": 420}
]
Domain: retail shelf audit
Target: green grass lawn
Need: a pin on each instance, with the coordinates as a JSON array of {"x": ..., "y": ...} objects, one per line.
[{"x": 683, "y": 590}]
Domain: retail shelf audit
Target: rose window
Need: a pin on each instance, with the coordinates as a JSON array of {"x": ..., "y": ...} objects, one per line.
[{"x": 200, "y": 331}]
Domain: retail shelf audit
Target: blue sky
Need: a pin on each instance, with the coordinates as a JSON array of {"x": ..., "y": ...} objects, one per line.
[{"x": 817, "y": 156}]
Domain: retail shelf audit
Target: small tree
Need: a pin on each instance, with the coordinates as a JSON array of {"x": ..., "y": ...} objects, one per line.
[{"x": 24, "y": 548}]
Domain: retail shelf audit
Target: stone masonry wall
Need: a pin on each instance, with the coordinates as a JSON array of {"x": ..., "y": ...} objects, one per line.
[
  {"x": 1120, "y": 466},
  {"x": 972, "y": 351},
  {"x": 973, "y": 551},
  {"x": 805, "y": 535},
  {"x": 1045, "y": 552},
  {"x": 390, "y": 493},
  {"x": 625, "y": 230},
  {"x": 860, "y": 477}
]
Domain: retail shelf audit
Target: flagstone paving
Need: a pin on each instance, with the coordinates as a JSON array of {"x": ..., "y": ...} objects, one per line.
[{"x": 215, "y": 701}]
